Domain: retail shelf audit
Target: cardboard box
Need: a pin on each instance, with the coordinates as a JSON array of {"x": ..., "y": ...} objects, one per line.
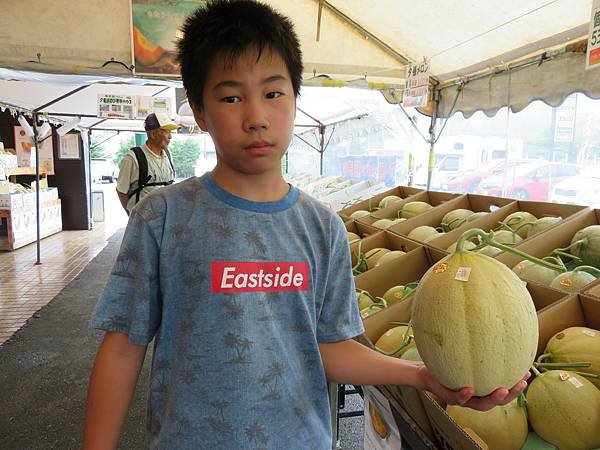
[
  {"x": 593, "y": 289},
  {"x": 373, "y": 202},
  {"x": 393, "y": 211},
  {"x": 362, "y": 229},
  {"x": 11, "y": 201},
  {"x": 406, "y": 269},
  {"x": 433, "y": 217},
  {"x": 558, "y": 236}
]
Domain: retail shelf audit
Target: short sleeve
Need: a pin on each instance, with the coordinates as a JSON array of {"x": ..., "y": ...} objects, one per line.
[
  {"x": 339, "y": 318},
  {"x": 131, "y": 302},
  {"x": 128, "y": 171}
]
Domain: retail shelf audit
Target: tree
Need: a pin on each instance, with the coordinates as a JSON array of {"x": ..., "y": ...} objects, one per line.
[
  {"x": 124, "y": 147},
  {"x": 185, "y": 154},
  {"x": 97, "y": 151}
]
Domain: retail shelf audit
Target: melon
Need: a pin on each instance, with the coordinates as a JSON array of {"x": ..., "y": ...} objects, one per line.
[
  {"x": 412, "y": 354},
  {"x": 432, "y": 237},
  {"x": 411, "y": 209},
  {"x": 389, "y": 200},
  {"x": 534, "y": 442},
  {"x": 489, "y": 251},
  {"x": 575, "y": 344},
  {"x": 396, "y": 293},
  {"x": 530, "y": 271},
  {"x": 507, "y": 237},
  {"x": 390, "y": 256},
  {"x": 373, "y": 256},
  {"x": 474, "y": 322},
  {"x": 353, "y": 237},
  {"x": 358, "y": 214},
  {"x": 476, "y": 216},
  {"x": 517, "y": 220},
  {"x": 370, "y": 310},
  {"x": 395, "y": 340},
  {"x": 541, "y": 224},
  {"x": 455, "y": 218},
  {"x": 382, "y": 224},
  {"x": 468, "y": 246},
  {"x": 586, "y": 245},
  {"x": 423, "y": 232},
  {"x": 364, "y": 299},
  {"x": 564, "y": 409},
  {"x": 501, "y": 428},
  {"x": 574, "y": 280}
]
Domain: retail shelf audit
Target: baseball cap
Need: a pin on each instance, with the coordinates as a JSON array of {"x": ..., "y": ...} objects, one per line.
[{"x": 155, "y": 121}]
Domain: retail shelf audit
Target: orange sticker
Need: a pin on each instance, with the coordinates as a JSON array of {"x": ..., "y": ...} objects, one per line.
[
  {"x": 566, "y": 282},
  {"x": 440, "y": 268},
  {"x": 564, "y": 376}
]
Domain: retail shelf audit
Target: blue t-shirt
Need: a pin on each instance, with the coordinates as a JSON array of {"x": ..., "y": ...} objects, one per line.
[{"x": 237, "y": 295}]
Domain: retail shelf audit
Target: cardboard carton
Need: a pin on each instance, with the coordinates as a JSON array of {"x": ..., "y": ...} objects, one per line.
[
  {"x": 559, "y": 236},
  {"x": 593, "y": 289},
  {"x": 362, "y": 229},
  {"x": 433, "y": 217},
  {"x": 447, "y": 432},
  {"x": 373, "y": 202}
]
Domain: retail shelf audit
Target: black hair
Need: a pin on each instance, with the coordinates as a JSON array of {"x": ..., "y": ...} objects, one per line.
[{"x": 229, "y": 28}]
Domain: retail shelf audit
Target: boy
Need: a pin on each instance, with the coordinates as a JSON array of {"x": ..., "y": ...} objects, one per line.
[{"x": 243, "y": 282}]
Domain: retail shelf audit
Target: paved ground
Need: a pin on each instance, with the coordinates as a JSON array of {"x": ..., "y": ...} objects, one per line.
[{"x": 44, "y": 370}]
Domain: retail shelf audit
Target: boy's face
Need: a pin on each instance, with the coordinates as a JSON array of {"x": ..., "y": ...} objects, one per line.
[{"x": 249, "y": 112}]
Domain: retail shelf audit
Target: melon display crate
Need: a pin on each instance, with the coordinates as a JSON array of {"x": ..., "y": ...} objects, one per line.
[
  {"x": 556, "y": 311},
  {"x": 434, "y": 198},
  {"x": 593, "y": 289},
  {"x": 388, "y": 240},
  {"x": 361, "y": 229},
  {"x": 433, "y": 217},
  {"x": 558, "y": 236},
  {"x": 369, "y": 204}
]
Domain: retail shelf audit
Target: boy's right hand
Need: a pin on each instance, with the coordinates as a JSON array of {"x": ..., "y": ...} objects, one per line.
[{"x": 465, "y": 397}]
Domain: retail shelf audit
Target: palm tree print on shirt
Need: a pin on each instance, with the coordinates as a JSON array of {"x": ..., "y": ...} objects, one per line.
[
  {"x": 241, "y": 347},
  {"x": 270, "y": 380},
  {"x": 126, "y": 262},
  {"x": 193, "y": 273},
  {"x": 256, "y": 433},
  {"x": 218, "y": 422},
  {"x": 255, "y": 242},
  {"x": 234, "y": 309}
]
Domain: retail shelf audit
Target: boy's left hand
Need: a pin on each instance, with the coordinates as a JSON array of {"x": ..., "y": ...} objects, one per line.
[{"x": 464, "y": 396}]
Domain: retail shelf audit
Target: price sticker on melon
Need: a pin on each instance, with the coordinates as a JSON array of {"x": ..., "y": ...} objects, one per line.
[
  {"x": 588, "y": 332},
  {"x": 575, "y": 382},
  {"x": 463, "y": 274},
  {"x": 567, "y": 282}
]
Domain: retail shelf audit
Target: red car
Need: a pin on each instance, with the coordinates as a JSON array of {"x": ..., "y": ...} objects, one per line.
[
  {"x": 531, "y": 181},
  {"x": 468, "y": 181}
]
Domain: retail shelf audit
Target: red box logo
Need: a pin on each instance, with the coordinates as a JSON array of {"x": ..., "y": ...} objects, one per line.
[{"x": 235, "y": 276}]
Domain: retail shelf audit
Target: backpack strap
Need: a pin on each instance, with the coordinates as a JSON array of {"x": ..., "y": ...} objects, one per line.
[{"x": 144, "y": 178}]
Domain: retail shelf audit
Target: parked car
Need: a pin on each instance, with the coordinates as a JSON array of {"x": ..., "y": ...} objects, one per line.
[
  {"x": 577, "y": 191},
  {"x": 468, "y": 181},
  {"x": 103, "y": 170},
  {"x": 531, "y": 181}
]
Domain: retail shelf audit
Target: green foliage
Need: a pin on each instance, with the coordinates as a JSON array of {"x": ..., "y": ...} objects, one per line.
[
  {"x": 124, "y": 147},
  {"x": 185, "y": 154},
  {"x": 97, "y": 151}
]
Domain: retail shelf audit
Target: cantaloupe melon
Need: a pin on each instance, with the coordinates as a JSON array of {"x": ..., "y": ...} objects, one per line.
[
  {"x": 564, "y": 409},
  {"x": 396, "y": 340},
  {"x": 586, "y": 245},
  {"x": 541, "y": 224},
  {"x": 359, "y": 213},
  {"x": 455, "y": 218},
  {"x": 389, "y": 257},
  {"x": 423, "y": 232},
  {"x": 530, "y": 271},
  {"x": 382, "y": 224},
  {"x": 517, "y": 220},
  {"x": 575, "y": 344},
  {"x": 575, "y": 280},
  {"x": 373, "y": 256},
  {"x": 411, "y": 209},
  {"x": 474, "y": 322},
  {"x": 388, "y": 200},
  {"x": 501, "y": 428},
  {"x": 396, "y": 294}
]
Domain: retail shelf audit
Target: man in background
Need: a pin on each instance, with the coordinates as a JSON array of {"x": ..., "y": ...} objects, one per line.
[{"x": 149, "y": 167}]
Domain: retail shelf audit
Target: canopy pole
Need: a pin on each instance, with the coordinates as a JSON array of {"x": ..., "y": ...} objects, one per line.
[
  {"x": 321, "y": 146},
  {"x": 432, "y": 139},
  {"x": 37, "y": 142}
]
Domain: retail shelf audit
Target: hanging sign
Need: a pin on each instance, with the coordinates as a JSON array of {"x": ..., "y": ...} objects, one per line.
[
  {"x": 564, "y": 128},
  {"x": 145, "y": 105},
  {"x": 417, "y": 85},
  {"x": 25, "y": 149},
  {"x": 115, "y": 106},
  {"x": 593, "y": 46}
]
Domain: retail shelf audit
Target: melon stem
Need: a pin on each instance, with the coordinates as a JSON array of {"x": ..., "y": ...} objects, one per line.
[
  {"x": 562, "y": 365},
  {"x": 590, "y": 269},
  {"x": 587, "y": 375},
  {"x": 544, "y": 356},
  {"x": 488, "y": 238},
  {"x": 535, "y": 371}
]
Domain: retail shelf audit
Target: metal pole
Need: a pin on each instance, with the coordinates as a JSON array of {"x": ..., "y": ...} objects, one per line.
[
  {"x": 37, "y": 188},
  {"x": 431, "y": 159},
  {"x": 321, "y": 145}
]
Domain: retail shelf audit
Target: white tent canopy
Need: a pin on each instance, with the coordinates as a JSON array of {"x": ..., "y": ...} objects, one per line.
[{"x": 360, "y": 42}]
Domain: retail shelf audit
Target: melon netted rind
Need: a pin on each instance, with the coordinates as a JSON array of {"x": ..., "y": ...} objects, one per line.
[
  {"x": 482, "y": 332},
  {"x": 576, "y": 344},
  {"x": 588, "y": 251},
  {"x": 564, "y": 412},
  {"x": 501, "y": 428}
]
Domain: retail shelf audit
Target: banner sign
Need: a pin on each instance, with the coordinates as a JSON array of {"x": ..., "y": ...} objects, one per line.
[
  {"x": 25, "y": 149},
  {"x": 417, "y": 85},
  {"x": 593, "y": 46},
  {"x": 115, "y": 106},
  {"x": 564, "y": 127},
  {"x": 156, "y": 29},
  {"x": 145, "y": 105}
]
